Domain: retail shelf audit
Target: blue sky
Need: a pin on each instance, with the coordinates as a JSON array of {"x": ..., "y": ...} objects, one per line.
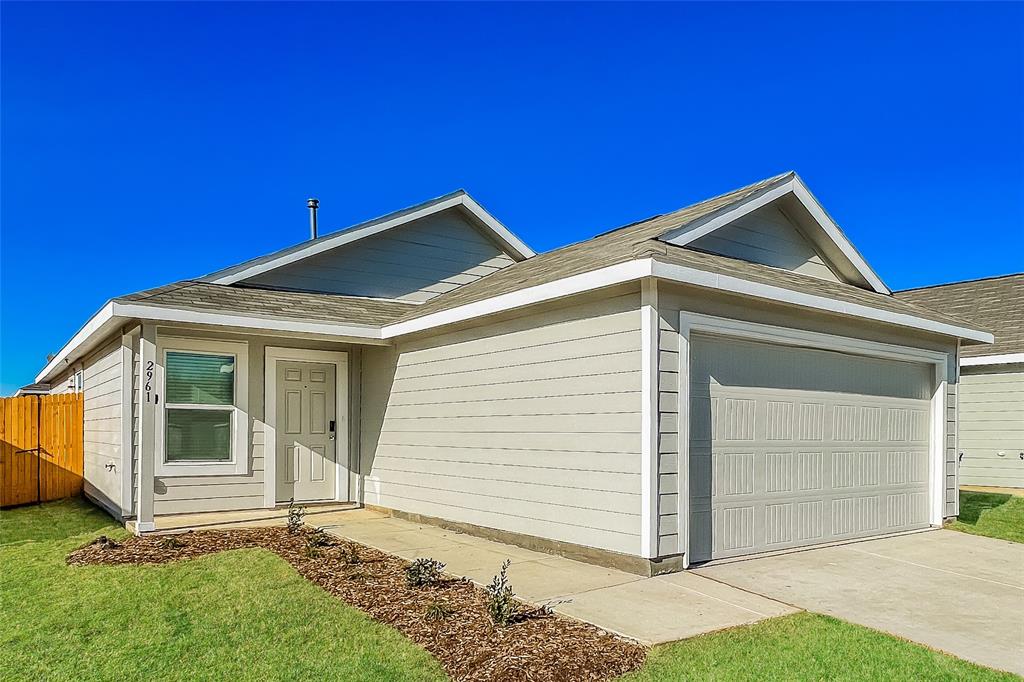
[{"x": 144, "y": 143}]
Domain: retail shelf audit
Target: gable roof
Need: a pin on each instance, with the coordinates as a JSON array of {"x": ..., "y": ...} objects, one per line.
[
  {"x": 625, "y": 254},
  {"x": 643, "y": 240},
  {"x": 823, "y": 232},
  {"x": 459, "y": 200},
  {"x": 996, "y": 303}
]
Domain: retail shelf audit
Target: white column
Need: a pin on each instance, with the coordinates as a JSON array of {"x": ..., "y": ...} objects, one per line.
[
  {"x": 649, "y": 418},
  {"x": 127, "y": 377},
  {"x": 149, "y": 403}
]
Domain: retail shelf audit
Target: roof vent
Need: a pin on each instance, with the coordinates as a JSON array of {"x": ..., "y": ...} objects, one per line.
[{"x": 313, "y": 205}]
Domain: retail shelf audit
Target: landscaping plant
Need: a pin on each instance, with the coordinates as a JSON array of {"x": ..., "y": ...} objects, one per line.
[
  {"x": 438, "y": 611},
  {"x": 423, "y": 571},
  {"x": 501, "y": 600},
  {"x": 295, "y": 515}
]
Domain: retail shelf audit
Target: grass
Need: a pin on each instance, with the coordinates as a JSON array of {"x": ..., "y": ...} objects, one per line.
[
  {"x": 993, "y": 515},
  {"x": 240, "y": 615},
  {"x": 804, "y": 646},
  {"x": 246, "y": 615}
]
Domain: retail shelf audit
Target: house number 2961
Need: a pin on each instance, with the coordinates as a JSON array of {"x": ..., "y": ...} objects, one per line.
[{"x": 150, "y": 396}]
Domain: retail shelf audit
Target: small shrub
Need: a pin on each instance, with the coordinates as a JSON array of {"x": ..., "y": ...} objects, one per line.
[
  {"x": 501, "y": 602},
  {"x": 313, "y": 551},
  {"x": 423, "y": 572},
  {"x": 438, "y": 611},
  {"x": 350, "y": 553},
  {"x": 105, "y": 543},
  {"x": 170, "y": 542},
  {"x": 319, "y": 538},
  {"x": 295, "y": 515}
]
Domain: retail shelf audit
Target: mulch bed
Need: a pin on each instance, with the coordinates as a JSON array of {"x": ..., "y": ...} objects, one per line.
[{"x": 450, "y": 619}]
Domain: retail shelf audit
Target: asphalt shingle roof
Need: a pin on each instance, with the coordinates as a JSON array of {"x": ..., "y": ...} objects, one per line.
[
  {"x": 297, "y": 305},
  {"x": 996, "y": 304},
  {"x": 637, "y": 240}
]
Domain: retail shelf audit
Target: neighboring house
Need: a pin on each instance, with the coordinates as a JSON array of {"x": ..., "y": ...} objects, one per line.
[
  {"x": 33, "y": 389},
  {"x": 721, "y": 380},
  {"x": 991, "y": 396}
]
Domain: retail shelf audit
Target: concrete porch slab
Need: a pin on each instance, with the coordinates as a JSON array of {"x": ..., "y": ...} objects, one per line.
[{"x": 249, "y": 518}]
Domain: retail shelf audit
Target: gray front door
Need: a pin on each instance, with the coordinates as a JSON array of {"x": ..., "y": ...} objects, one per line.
[{"x": 306, "y": 431}]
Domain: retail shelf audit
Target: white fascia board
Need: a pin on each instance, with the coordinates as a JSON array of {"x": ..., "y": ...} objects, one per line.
[
  {"x": 735, "y": 285},
  {"x": 502, "y": 233},
  {"x": 1006, "y": 359},
  {"x": 647, "y": 267},
  {"x": 116, "y": 313},
  {"x": 795, "y": 186},
  {"x": 227, "y": 319},
  {"x": 99, "y": 324},
  {"x": 576, "y": 284}
]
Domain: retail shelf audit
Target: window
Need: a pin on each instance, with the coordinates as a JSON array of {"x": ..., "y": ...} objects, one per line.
[
  {"x": 203, "y": 426},
  {"x": 200, "y": 397}
]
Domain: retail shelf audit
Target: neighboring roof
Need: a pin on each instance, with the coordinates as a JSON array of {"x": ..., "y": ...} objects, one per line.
[
  {"x": 203, "y": 296},
  {"x": 459, "y": 199},
  {"x": 819, "y": 227},
  {"x": 996, "y": 303},
  {"x": 33, "y": 389}
]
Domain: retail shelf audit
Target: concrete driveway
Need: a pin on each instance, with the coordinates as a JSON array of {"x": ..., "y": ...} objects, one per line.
[{"x": 951, "y": 591}]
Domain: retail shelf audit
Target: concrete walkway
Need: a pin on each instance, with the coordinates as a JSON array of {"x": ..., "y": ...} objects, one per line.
[
  {"x": 648, "y": 610},
  {"x": 958, "y": 593}
]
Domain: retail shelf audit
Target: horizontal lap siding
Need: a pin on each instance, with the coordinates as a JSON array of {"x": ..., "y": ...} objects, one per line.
[
  {"x": 767, "y": 236},
  {"x": 991, "y": 408},
  {"x": 530, "y": 425},
  {"x": 102, "y": 426},
  {"x": 416, "y": 262}
]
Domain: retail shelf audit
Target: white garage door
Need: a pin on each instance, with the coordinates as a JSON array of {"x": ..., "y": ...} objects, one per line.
[{"x": 793, "y": 446}]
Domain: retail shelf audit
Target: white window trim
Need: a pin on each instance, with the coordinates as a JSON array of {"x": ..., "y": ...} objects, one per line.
[
  {"x": 696, "y": 322},
  {"x": 239, "y": 463},
  {"x": 339, "y": 359}
]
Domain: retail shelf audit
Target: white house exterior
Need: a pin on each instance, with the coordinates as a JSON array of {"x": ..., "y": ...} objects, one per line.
[
  {"x": 726, "y": 379},
  {"x": 991, "y": 398}
]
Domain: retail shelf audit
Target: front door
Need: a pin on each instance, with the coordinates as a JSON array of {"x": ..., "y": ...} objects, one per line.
[{"x": 306, "y": 431}]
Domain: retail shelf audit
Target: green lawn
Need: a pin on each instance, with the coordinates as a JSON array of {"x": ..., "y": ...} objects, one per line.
[
  {"x": 241, "y": 615},
  {"x": 804, "y": 646},
  {"x": 992, "y": 515},
  {"x": 247, "y": 615}
]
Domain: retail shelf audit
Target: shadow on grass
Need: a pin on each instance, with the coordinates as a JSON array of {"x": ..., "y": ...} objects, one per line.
[
  {"x": 972, "y": 506},
  {"x": 52, "y": 521}
]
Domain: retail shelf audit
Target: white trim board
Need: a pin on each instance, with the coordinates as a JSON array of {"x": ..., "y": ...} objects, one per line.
[
  {"x": 341, "y": 409},
  {"x": 696, "y": 322},
  {"x": 115, "y": 313},
  {"x": 791, "y": 184},
  {"x": 648, "y": 267},
  {"x": 649, "y": 350},
  {"x": 461, "y": 199},
  {"x": 1005, "y": 359}
]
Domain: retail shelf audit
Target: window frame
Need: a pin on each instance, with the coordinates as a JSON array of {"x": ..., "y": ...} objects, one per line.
[{"x": 239, "y": 419}]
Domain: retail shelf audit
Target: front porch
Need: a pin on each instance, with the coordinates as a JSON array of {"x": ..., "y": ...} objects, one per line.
[{"x": 316, "y": 515}]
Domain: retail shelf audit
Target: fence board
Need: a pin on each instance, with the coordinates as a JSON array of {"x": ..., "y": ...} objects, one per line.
[{"x": 51, "y": 429}]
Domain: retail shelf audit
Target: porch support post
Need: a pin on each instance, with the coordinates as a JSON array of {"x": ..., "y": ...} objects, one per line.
[
  {"x": 149, "y": 399},
  {"x": 127, "y": 406},
  {"x": 649, "y": 331}
]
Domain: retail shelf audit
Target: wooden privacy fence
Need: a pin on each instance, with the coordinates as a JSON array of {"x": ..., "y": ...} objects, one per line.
[{"x": 41, "y": 455}]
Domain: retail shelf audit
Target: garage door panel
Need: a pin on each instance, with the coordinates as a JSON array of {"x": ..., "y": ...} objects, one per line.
[{"x": 775, "y": 468}]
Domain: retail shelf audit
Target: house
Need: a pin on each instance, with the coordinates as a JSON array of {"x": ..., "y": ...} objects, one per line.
[
  {"x": 725, "y": 379},
  {"x": 33, "y": 389},
  {"x": 991, "y": 396}
]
